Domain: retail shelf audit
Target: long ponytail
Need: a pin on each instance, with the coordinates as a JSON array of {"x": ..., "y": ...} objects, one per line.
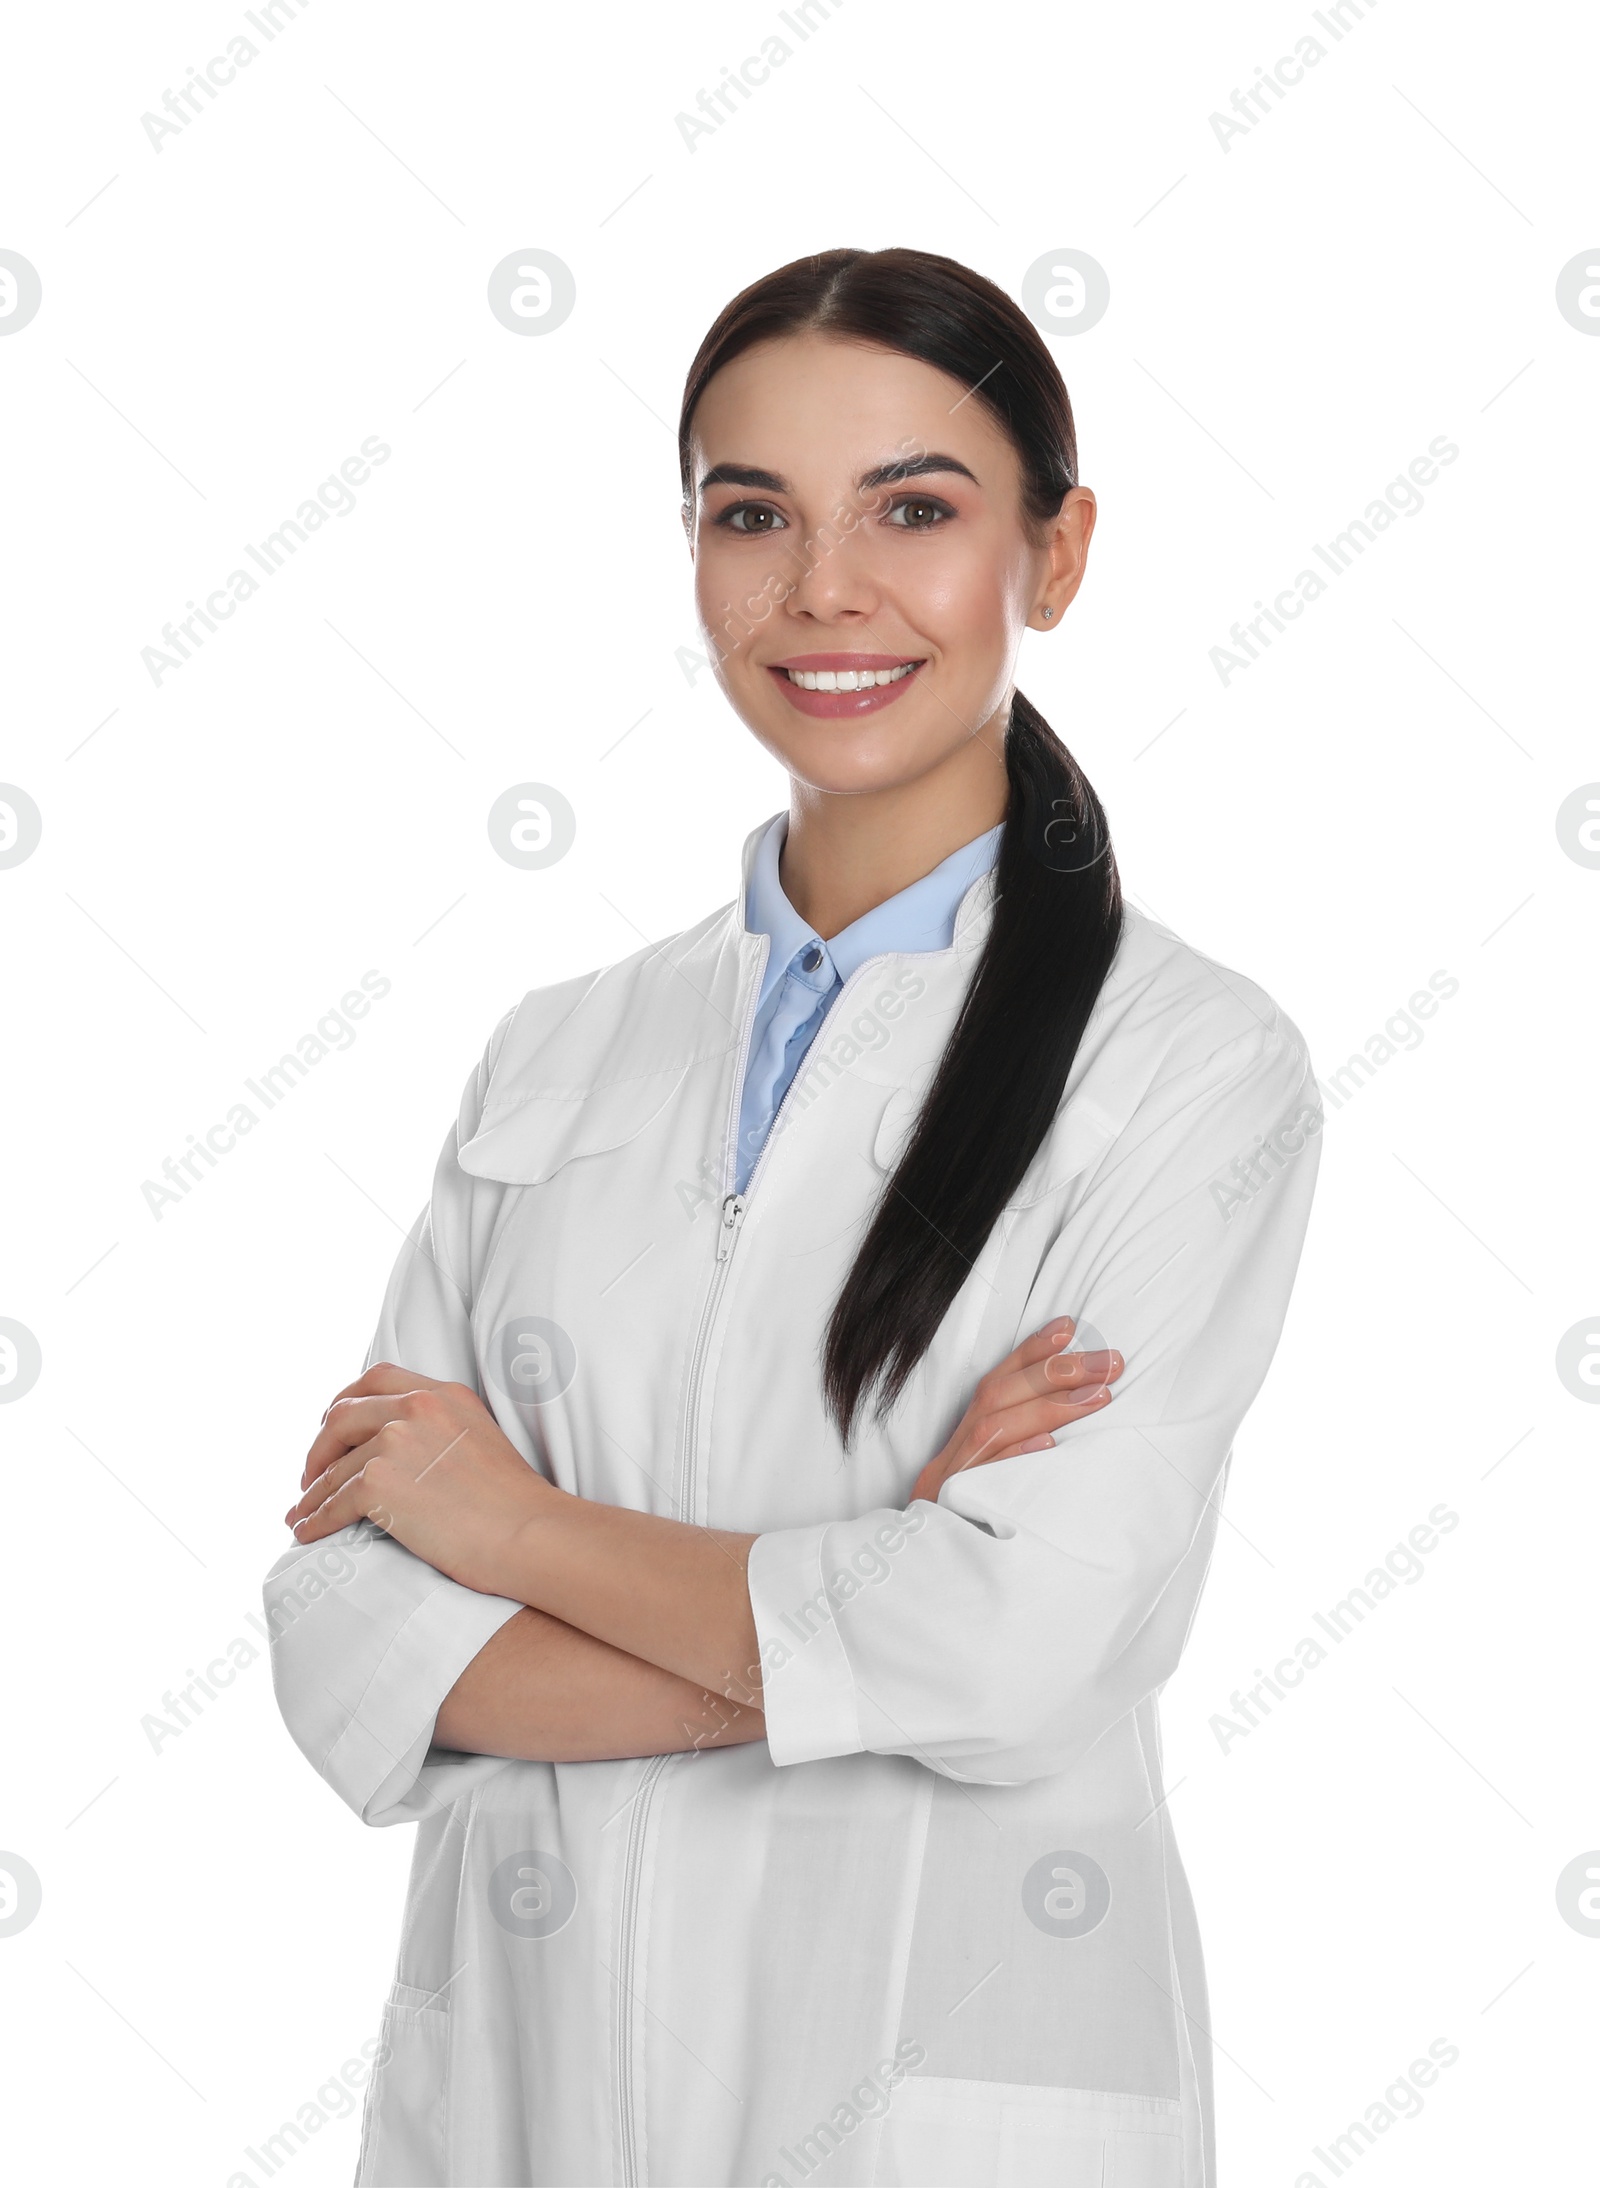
[{"x": 994, "y": 1096}]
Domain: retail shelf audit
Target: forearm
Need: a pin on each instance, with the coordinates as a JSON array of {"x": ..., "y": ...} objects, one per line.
[
  {"x": 656, "y": 1589},
  {"x": 540, "y": 1691}
]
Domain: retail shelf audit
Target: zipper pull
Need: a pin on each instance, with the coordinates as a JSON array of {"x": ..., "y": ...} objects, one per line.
[{"x": 732, "y": 1217}]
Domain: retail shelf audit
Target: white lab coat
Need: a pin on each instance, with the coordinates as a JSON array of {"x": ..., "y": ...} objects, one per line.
[{"x": 934, "y": 1929}]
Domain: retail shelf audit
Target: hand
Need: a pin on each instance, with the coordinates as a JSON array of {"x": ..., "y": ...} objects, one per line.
[
  {"x": 428, "y": 1463},
  {"x": 1039, "y": 1387}
]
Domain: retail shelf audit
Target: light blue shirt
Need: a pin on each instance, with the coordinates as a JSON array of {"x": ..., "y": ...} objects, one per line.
[{"x": 803, "y": 973}]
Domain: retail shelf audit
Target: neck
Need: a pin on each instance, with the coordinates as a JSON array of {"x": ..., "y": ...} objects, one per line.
[{"x": 845, "y": 853}]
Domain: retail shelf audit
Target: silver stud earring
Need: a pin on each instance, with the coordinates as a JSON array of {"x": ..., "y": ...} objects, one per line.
[{"x": 1048, "y": 613}]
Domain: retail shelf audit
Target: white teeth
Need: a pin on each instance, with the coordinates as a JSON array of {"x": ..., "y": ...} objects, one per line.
[{"x": 847, "y": 679}]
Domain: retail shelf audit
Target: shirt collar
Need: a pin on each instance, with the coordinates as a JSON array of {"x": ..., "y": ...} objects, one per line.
[{"x": 921, "y": 917}]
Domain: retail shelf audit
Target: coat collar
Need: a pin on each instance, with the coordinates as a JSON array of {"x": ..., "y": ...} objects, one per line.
[
  {"x": 971, "y": 921},
  {"x": 584, "y": 1067}
]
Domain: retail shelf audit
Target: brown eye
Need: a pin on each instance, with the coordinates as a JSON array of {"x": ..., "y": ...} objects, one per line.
[
  {"x": 919, "y": 513},
  {"x": 761, "y": 516}
]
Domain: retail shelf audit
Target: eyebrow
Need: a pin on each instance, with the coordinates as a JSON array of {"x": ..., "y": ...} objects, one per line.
[{"x": 883, "y": 474}]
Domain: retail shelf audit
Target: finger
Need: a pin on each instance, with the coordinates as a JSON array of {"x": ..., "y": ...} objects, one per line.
[
  {"x": 345, "y": 1467},
  {"x": 1076, "y": 1370},
  {"x": 1044, "y": 1341},
  {"x": 1056, "y": 1371},
  {"x": 348, "y": 1422},
  {"x": 343, "y": 1509},
  {"x": 383, "y": 1380},
  {"x": 1001, "y": 1385},
  {"x": 936, "y": 1473},
  {"x": 993, "y": 1435},
  {"x": 1013, "y": 1451}
]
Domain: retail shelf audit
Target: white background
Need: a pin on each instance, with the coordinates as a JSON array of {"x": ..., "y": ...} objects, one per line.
[{"x": 1292, "y": 320}]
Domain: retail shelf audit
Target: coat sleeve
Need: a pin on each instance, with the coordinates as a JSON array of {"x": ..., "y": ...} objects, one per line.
[
  {"x": 996, "y": 1635},
  {"x": 367, "y": 1639}
]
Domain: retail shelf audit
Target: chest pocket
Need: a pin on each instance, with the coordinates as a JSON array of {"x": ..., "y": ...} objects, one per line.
[
  {"x": 582, "y": 1197},
  {"x": 984, "y": 1323},
  {"x": 1079, "y": 1137},
  {"x": 525, "y": 1141}
]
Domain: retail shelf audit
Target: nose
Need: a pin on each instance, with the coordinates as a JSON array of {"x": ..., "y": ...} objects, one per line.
[{"x": 835, "y": 583}]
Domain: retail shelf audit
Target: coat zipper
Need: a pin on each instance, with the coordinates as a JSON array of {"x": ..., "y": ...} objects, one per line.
[
  {"x": 733, "y": 1213},
  {"x": 644, "y": 1799},
  {"x": 732, "y": 1218},
  {"x": 733, "y": 1207},
  {"x": 632, "y": 1872},
  {"x": 727, "y": 1233}
]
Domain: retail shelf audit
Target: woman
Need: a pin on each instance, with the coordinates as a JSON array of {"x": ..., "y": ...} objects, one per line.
[{"x": 776, "y": 1695}]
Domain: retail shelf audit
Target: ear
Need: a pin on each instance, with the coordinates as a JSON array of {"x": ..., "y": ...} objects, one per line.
[
  {"x": 1067, "y": 555},
  {"x": 687, "y": 514}
]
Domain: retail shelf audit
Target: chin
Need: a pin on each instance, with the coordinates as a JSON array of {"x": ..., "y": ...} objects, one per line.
[{"x": 846, "y": 760}]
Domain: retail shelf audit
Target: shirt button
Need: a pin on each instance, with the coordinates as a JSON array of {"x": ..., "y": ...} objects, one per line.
[{"x": 811, "y": 959}]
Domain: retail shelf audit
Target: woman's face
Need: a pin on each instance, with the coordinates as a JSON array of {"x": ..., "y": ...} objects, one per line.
[{"x": 859, "y": 516}]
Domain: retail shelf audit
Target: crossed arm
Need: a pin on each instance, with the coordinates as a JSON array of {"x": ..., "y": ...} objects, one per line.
[
  {"x": 543, "y": 1691},
  {"x": 637, "y": 1636}
]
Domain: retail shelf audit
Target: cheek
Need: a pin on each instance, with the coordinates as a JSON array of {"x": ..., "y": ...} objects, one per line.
[
  {"x": 960, "y": 584},
  {"x": 712, "y": 591},
  {"x": 963, "y": 602},
  {"x": 728, "y": 573}
]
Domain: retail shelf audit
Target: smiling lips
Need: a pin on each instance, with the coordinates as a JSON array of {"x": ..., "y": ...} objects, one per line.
[{"x": 835, "y": 684}]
